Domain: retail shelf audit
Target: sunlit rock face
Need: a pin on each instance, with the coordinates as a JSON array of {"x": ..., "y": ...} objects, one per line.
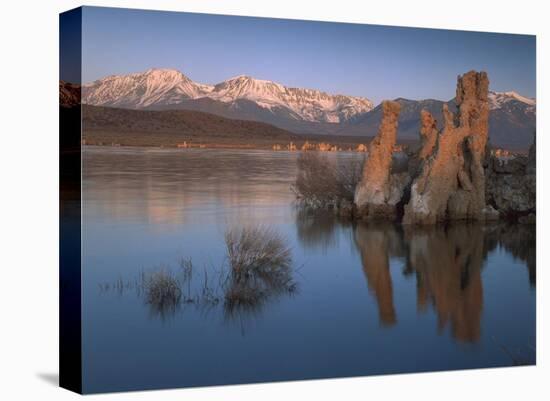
[
  {"x": 451, "y": 180},
  {"x": 428, "y": 139},
  {"x": 379, "y": 191}
]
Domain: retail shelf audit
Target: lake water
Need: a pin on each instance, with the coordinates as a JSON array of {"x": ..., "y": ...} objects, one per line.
[{"x": 369, "y": 299}]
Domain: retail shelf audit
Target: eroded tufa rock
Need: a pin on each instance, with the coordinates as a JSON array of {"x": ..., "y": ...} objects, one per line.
[
  {"x": 377, "y": 193},
  {"x": 428, "y": 139},
  {"x": 451, "y": 180},
  {"x": 428, "y": 134}
]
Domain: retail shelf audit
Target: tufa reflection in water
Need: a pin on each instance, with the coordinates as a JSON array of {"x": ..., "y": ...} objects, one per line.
[
  {"x": 376, "y": 244},
  {"x": 317, "y": 229},
  {"x": 446, "y": 261},
  {"x": 258, "y": 269},
  {"x": 519, "y": 240}
]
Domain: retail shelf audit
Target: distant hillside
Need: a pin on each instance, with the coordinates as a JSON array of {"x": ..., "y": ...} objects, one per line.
[
  {"x": 512, "y": 119},
  {"x": 108, "y": 126},
  {"x": 171, "y": 127},
  {"x": 409, "y": 118}
]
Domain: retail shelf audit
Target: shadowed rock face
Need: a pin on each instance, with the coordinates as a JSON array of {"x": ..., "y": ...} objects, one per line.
[
  {"x": 428, "y": 140},
  {"x": 532, "y": 158},
  {"x": 511, "y": 185},
  {"x": 379, "y": 191},
  {"x": 428, "y": 134},
  {"x": 509, "y": 188},
  {"x": 451, "y": 181}
]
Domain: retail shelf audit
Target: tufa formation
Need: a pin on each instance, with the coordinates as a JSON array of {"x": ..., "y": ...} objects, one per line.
[
  {"x": 449, "y": 176},
  {"x": 380, "y": 189},
  {"x": 451, "y": 181}
]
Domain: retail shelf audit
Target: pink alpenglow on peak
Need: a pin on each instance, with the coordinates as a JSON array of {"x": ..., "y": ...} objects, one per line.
[{"x": 161, "y": 88}]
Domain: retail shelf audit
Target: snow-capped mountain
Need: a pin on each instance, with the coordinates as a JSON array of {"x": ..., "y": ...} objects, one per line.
[
  {"x": 305, "y": 104},
  {"x": 512, "y": 120},
  {"x": 141, "y": 90},
  {"x": 165, "y": 88},
  {"x": 498, "y": 100},
  {"x": 511, "y": 101}
]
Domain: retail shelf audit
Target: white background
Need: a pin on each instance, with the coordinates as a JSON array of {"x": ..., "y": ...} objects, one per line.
[{"x": 29, "y": 199}]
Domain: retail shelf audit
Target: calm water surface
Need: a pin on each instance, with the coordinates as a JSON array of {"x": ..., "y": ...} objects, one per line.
[{"x": 370, "y": 299}]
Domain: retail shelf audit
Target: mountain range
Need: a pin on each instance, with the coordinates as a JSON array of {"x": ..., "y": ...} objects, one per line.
[
  {"x": 165, "y": 88},
  {"x": 512, "y": 119},
  {"x": 299, "y": 110}
]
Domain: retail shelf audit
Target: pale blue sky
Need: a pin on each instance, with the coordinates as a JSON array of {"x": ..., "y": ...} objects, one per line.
[{"x": 377, "y": 62}]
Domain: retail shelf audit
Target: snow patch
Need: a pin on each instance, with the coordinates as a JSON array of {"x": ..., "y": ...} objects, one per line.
[{"x": 498, "y": 99}]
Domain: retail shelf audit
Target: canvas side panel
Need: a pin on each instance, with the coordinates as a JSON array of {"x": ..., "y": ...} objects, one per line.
[{"x": 70, "y": 311}]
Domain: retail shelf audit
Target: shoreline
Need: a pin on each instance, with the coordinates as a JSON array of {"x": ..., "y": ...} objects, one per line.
[
  {"x": 218, "y": 147},
  {"x": 221, "y": 146}
]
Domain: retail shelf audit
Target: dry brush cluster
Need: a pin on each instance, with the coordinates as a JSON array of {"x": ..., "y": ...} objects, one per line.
[
  {"x": 258, "y": 267},
  {"x": 321, "y": 182}
]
